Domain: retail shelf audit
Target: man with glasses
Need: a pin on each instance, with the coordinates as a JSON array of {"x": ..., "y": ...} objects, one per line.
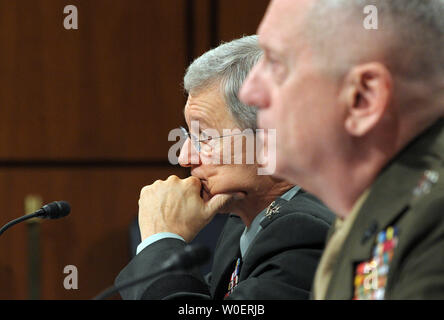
[{"x": 274, "y": 236}]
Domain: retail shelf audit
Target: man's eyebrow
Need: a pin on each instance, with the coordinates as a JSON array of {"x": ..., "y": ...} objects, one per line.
[
  {"x": 272, "y": 53},
  {"x": 264, "y": 46},
  {"x": 202, "y": 122},
  {"x": 271, "y": 47}
]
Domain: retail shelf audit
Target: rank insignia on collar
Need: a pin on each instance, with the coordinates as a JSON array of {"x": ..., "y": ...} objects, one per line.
[
  {"x": 371, "y": 276},
  {"x": 428, "y": 179},
  {"x": 272, "y": 210}
]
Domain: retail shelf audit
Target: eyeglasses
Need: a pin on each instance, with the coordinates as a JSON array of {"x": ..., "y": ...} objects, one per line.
[{"x": 196, "y": 141}]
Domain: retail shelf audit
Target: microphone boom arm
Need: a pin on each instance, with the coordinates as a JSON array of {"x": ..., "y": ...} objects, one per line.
[
  {"x": 191, "y": 257},
  {"x": 23, "y": 218},
  {"x": 53, "y": 210}
]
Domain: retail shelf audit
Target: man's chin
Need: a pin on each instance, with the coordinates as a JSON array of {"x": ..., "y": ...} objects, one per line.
[
  {"x": 285, "y": 171},
  {"x": 230, "y": 205}
]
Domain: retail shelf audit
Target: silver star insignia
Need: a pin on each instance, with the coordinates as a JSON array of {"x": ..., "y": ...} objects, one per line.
[{"x": 272, "y": 210}]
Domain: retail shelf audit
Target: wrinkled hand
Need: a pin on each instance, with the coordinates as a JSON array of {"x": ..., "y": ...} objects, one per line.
[{"x": 175, "y": 206}]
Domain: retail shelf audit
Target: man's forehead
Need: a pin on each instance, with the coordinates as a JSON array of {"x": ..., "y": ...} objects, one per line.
[
  {"x": 282, "y": 22},
  {"x": 205, "y": 104}
]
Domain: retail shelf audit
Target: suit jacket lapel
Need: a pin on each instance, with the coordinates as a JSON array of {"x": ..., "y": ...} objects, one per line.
[
  {"x": 225, "y": 256},
  {"x": 229, "y": 250},
  {"x": 280, "y": 208},
  {"x": 252, "y": 255}
]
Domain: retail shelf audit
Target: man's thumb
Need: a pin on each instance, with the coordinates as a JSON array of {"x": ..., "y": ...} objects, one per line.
[{"x": 217, "y": 202}]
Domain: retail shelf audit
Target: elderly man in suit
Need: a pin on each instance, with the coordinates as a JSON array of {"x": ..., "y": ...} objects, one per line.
[
  {"x": 274, "y": 236},
  {"x": 359, "y": 104}
]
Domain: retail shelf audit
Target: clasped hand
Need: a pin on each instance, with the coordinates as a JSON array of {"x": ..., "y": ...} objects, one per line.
[{"x": 175, "y": 205}]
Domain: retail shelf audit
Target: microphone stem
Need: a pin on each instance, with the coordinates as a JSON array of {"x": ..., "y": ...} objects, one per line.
[
  {"x": 18, "y": 220},
  {"x": 112, "y": 290},
  {"x": 191, "y": 257}
]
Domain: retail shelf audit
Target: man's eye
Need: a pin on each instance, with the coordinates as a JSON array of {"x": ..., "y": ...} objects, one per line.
[
  {"x": 271, "y": 62},
  {"x": 193, "y": 137},
  {"x": 274, "y": 66},
  {"x": 277, "y": 70},
  {"x": 204, "y": 136}
]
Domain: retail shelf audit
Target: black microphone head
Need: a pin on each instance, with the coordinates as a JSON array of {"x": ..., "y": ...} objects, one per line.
[{"x": 56, "y": 209}]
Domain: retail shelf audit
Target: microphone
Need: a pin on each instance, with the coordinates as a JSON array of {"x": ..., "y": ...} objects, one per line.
[
  {"x": 192, "y": 256},
  {"x": 53, "y": 210}
]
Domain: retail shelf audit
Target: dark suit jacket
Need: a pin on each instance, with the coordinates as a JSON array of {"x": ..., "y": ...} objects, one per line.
[
  {"x": 408, "y": 195},
  {"x": 279, "y": 264}
]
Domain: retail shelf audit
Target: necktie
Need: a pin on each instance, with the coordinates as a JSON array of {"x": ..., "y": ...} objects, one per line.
[{"x": 245, "y": 241}]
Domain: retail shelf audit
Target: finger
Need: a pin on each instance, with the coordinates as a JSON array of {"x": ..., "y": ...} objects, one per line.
[
  {"x": 216, "y": 203},
  {"x": 193, "y": 183},
  {"x": 173, "y": 178}
]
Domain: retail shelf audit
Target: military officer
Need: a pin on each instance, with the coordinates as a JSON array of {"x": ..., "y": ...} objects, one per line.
[
  {"x": 360, "y": 111},
  {"x": 275, "y": 233}
]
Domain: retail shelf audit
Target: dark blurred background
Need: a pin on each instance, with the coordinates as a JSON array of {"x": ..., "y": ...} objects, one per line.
[{"x": 84, "y": 117}]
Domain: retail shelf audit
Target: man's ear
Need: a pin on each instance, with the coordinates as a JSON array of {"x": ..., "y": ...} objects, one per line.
[{"x": 366, "y": 95}]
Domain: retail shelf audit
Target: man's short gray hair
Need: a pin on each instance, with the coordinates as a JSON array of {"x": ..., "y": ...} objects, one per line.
[
  {"x": 410, "y": 35},
  {"x": 228, "y": 65}
]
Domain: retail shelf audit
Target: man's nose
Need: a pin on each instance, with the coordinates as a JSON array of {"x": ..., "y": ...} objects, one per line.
[
  {"x": 188, "y": 156},
  {"x": 253, "y": 92}
]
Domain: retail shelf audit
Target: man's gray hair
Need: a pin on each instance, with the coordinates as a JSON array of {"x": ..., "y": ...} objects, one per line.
[
  {"x": 410, "y": 35},
  {"x": 228, "y": 65}
]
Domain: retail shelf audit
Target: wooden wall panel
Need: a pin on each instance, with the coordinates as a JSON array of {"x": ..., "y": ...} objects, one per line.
[
  {"x": 238, "y": 18},
  {"x": 200, "y": 26},
  {"x": 94, "y": 237},
  {"x": 111, "y": 89}
]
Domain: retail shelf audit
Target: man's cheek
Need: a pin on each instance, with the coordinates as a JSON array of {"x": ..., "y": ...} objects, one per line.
[{"x": 263, "y": 119}]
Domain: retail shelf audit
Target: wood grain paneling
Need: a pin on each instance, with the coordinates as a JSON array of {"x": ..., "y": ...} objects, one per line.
[
  {"x": 199, "y": 27},
  {"x": 94, "y": 237},
  {"x": 111, "y": 89},
  {"x": 239, "y": 18}
]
